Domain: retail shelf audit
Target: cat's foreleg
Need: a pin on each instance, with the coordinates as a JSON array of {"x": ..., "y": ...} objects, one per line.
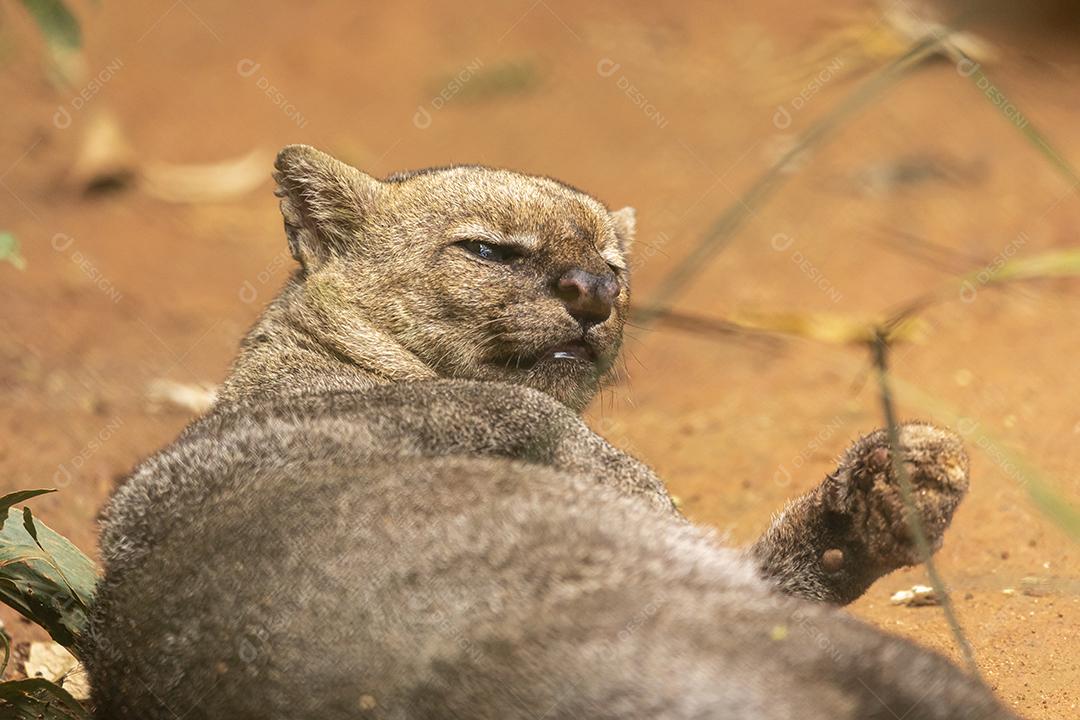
[{"x": 833, "y": 542}]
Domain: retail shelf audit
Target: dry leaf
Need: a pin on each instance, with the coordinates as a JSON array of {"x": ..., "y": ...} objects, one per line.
[
  {"x": 51, "y": 661},
  {"x": 196, "y": 398},
  {"x": 917, "y": 596},
  {"x": 830, "y": 328},
  {"x": 912, "y": 26},
  {"x": 104, "y": 157},
  {"x": 206, "y": 182}
]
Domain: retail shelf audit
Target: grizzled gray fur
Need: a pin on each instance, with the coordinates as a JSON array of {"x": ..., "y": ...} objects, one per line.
[{"x": 395, "y": 510}]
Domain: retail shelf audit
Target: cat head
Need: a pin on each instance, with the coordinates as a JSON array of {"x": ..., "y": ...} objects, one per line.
[{"x": 480, "y": 273}]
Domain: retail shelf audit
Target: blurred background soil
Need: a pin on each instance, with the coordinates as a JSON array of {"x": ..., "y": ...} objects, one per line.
[{"x": 673, "y": 108}]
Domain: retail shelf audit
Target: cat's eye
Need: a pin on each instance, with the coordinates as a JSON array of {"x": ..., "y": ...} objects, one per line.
[{"x": 489, "y": 251}]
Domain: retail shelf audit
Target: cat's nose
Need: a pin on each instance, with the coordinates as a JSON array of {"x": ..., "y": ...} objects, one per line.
[{"x": 587, "y": 297}]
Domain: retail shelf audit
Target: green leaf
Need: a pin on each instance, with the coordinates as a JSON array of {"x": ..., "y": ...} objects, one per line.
[
  {"x": 19, "y": 496},
  {"x": 31, "y": 528},
  {"x": 7, "y": 652},
  {"x": 38, "y": 699},
  {"x": 43, "y": 576},
  {"x": 9, "y": 251},
  {"x": 56, "y": 22}
]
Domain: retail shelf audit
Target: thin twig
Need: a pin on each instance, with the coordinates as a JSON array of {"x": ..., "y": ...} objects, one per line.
[
  {"x": 701, "y": 325},
  {"x": 880, "y": 351}
]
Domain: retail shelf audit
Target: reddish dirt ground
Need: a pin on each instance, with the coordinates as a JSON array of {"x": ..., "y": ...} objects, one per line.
[{"x": 735, "y": 427}]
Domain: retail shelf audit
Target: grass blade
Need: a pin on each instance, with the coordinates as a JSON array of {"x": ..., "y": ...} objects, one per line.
[
  {"x": 38, "y": 699},
  {"x": 880, "y": 348},
  {"x": 723, "y": 229},
  {"x": 56, "y": 22},
  {"x": 9, "y": 251}
]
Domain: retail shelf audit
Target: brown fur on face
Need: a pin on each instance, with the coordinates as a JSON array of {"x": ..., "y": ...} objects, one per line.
[{"x": 383, "y": 263}]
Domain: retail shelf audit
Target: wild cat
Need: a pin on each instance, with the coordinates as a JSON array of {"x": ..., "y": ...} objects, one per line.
[{"x": 395, "y": 511}]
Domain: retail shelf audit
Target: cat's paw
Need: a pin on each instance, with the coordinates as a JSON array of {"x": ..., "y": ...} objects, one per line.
[{"x": 864, "y": 495}]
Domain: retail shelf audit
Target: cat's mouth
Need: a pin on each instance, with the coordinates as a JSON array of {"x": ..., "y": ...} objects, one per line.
[
  {"x": 578, "y": 350},
  {"x": 573, "y": 351}
]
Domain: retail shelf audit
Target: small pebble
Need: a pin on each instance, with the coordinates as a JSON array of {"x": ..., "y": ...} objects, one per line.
[{"x": 917, "y": 596}]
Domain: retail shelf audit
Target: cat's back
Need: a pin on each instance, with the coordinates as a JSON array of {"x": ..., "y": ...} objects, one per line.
[
  {"x": 350, "y": 427},
  {"x": 407, "y": 582},
  {"x": 221, "y": 452},
  {"x": 474, "y": 587},
  {"x": 340, "y": 557},
  {"x": 376, "y": 547}
]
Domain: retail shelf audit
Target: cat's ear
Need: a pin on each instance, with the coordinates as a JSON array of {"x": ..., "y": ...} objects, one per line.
[
  {"x": 323, "y": 201},
  {"x": 625, "y": 223}
]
